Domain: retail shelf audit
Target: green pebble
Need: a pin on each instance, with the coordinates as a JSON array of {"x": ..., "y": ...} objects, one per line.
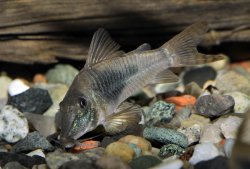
[
  {"x": 170, "y": 150},
  {"x": 62, "y": 73},
  {"x": 160, "y": 112},
  {"x": 165, "y": 136}
]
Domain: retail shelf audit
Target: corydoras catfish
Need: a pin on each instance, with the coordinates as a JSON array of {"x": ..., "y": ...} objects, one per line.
[{"x": 98, "y": 93}]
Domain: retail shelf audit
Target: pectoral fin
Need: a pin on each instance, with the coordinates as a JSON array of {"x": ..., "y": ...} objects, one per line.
[{"x": 127, "y": 114}]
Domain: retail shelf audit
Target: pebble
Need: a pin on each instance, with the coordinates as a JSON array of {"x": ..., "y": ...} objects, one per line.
[
  {"x": 57, "y": 93},
  {"x": 195, "y": 119},
  {"x": 193, "y": 89},
  {"x": 204, "y": 152},
  {"x": 211, "y": 134},
  {"x": 32, "y": 142},
  {"x": 180, "y": 116},
  {"x": 109, "y": 162},
  {"x": 170, "y": 150},
  {"x": 160, "y": 112},
  {"x": 231, "y": 82},
  {"x": 214, "y": 105},
  {"x": 164, "y": 87},
  {"x": 242, "y": 102},
  {"x": 192, "y": 132},
  {"x": 41, "y": 166},
  {"x": 55, "y": 159},
  {"x": 170, "y": 164},
  {"x": 228, "y": 147},
  {"x": 33, "y": 100},
  {"x": 40, "y": 78},
  {"x": 106, "y": 141},
  {"x": 243, "y": 71},
  {"x": 23, "y": 159},
  {"x": 14, "y": 165},
  {"x": 165, "y": 136},
  {"x": 144, "y": 162},
  {"x": 77, "y": 164},
  {"x": 17, "y": 86},
  {"x": 230, "y": 125},
  {"x": 141, "y": 142},
  {"x": 13, "y": 124},
  {"x": 3, "y": 102},
  {"x": 92, "y": 155},
  {"x": 62, "y": 73},
  {"x": 182, "y": 101},
  {"x": 5, "y": 81},
  {"x": 221, "y": 64},
  {"x": 187, "y": 154},
  {"x": 38, "y": 152},
  {"x": 3, "y": 149},
  {"x": 86, "y": 145},
  {"x": 215, "y": 163},
  {"x": 43, "y": 124},
  {"x": 120, "y": 149},
  {"x": 199, "y": 75}
]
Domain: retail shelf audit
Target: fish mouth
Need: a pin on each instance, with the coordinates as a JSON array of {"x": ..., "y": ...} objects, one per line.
[{"x": 68, "y": 142}]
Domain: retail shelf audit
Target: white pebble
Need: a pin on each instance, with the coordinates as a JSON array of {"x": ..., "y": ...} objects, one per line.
[
  {"x": 230, "y": 126},
  {"x": 204, "y": 152},
  {"x": 193, "y": 133},
  {"x": 38, "y": 152},
  {"x": 228, "y": 147},
  {"x": 17, "y": 86},
  {"x": 170, "y": 164},
  {"x": 4, "y": 83},
  {"x": 211, "y": 134},
  {"x": 13, "y": 124}
]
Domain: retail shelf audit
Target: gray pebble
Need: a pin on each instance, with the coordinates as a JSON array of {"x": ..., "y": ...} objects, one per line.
[
  {"x": 214, "y": 105},
  {"x": 32, "y": 142}
]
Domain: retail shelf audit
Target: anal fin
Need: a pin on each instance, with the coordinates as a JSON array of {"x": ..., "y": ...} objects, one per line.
[
  {"x": 166, "y": 76},
  {"x": 126, "y": 115}
]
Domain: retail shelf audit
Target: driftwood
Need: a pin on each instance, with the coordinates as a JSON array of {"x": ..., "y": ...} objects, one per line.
[{"x": 42, "y": 31}]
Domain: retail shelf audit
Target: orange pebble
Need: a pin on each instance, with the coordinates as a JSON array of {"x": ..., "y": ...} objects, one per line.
[
  {"x": 245, "y": 64},
  {"x": 182, "y": 101},
  {"x": 39, "y": 78},
  {"x": 86, "y": 145}
]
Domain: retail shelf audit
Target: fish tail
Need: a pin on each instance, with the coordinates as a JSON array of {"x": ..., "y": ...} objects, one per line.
[{"x": 182, "y": 47}]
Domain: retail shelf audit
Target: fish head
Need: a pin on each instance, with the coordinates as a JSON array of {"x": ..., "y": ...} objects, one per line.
[{"x": 77, "y": 116}]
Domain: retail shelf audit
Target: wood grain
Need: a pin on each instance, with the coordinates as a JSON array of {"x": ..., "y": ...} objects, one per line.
[{"x": 44, "y": 30}]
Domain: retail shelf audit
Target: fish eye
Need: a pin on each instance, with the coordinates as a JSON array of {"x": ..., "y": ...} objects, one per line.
[{"x": 82, "y": 102}]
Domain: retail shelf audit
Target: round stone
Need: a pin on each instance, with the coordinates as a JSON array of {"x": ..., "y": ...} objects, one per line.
[
  {"x": 214, "y": 105},
  {"x": 120, "y": 149},
  {"x": 141, "y": 142},
  {"x": 13, "y": 124}
]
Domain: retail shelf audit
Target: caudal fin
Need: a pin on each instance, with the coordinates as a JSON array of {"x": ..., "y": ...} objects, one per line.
[{"x": 182, "y": 47}]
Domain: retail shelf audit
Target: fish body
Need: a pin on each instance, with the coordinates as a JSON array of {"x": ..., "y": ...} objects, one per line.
[{"x": 98, "y": 93}]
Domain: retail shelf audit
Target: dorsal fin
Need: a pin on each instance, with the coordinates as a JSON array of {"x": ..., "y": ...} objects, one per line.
[
  {"x": 141, "y": 48},
  {"x": 102, "y": 47}
]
